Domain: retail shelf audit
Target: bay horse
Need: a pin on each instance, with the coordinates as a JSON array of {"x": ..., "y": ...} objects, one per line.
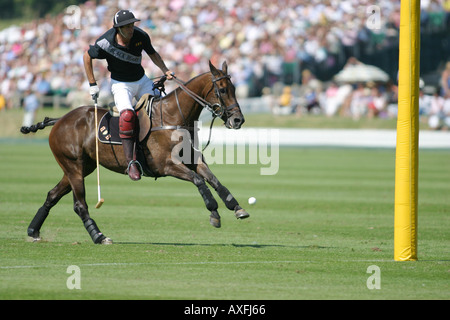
[{"x": 72, "y": 141}]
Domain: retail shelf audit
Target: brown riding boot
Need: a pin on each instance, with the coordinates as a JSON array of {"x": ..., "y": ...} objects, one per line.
[{"x": 133, "y": 170}]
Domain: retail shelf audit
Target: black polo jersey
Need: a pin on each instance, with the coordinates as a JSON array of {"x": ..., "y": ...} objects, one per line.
[{"x": 124, "y": 63}]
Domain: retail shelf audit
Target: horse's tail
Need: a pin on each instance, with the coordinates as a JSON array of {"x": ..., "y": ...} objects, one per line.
[{"x": 40, "y": 125}]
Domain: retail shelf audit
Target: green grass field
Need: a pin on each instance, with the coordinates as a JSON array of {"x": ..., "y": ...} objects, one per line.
[{"x": 317, "y": 226}]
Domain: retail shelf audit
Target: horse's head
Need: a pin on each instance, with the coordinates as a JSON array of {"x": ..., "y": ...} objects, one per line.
[{"x": 225, "y": 103}]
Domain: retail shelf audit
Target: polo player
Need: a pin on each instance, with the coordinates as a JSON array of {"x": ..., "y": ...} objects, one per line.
[{"x": 122, "y": 47}]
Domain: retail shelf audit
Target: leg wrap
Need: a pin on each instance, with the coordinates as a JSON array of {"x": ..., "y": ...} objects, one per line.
[
  {"x": 127, "y": 124},
  {"x": 93, "y": 231},
  {"x": 38, "y": 220},
  {"x": 210, "y": 202},
  {"x": 227, "y": 197}
]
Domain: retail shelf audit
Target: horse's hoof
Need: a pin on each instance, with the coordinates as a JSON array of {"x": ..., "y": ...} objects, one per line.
[
  {"x": 107, "y": 241},
  {"x": 215, "y": 222},
  {"x": 241, "y": 214},
  {"x": 33, "y": 233},
  {"x": 36, "y": 239},
  {"x": 214, "y": 219}
]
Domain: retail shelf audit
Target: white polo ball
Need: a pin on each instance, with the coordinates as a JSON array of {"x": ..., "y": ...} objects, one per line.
[{"x": 251, "y": 200}]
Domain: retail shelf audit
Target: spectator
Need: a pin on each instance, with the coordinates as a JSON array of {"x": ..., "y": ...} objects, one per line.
[
  {"x": 446, "y": 112},
  {"x": 331, "y": 97},
  {"x": 424, "y": 103},
  {"x": 312, "y": 100},
  {"x": 42, "y": 85},
  {"x": 445, "y": 80},
  {"x": 377, "y": 105},
  {"x": 2, "y": 102},
  {"x": 285, "y": 102},
  {"x": 359, "y": 101},
  {"x": 30, "y": 105},
  {"x": 392, "y": 100},
  {"x": 436, "y": 111}
]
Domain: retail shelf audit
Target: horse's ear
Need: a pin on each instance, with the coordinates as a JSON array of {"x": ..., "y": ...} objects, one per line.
[
  {"x": 225, "y": 67},
  {"x": 213, "y": 69}
]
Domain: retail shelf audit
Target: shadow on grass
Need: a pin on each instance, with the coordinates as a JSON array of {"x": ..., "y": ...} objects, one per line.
[{"x": 237, "y": 245}]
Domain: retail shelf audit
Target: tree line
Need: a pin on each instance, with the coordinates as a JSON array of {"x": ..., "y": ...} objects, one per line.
[{"x": 33, "y": 9}]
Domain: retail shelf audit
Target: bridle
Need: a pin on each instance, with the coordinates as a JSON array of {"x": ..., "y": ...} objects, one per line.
[
  {"x": 217, "y": 109},
  {"x": 229, "y": 109}
]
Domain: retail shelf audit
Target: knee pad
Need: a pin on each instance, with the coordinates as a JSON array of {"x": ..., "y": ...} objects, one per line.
[{"x": 127, "y": 124}]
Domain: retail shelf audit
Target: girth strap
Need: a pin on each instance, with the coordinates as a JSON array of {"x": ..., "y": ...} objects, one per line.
[{"x": 172, "y": 128}]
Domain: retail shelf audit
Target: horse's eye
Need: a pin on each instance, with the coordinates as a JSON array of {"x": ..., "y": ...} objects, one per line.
[{"x": 223, "y": 90}]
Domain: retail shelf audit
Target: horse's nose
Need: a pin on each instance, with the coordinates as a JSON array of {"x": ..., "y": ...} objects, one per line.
[{"x": 238, "y": 121}]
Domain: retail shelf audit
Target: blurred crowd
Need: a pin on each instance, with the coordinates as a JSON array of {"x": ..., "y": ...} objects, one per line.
[
  {"x": 359, "y": 100},
  {"x": 369, "y": 99},
  {"x": 256, "y": 38}
]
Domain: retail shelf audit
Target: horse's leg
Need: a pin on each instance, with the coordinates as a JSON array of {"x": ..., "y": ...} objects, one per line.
[
  {"x": 75, "y": 170},
  {"x": 231, "y": 203},
  {"x": 53, "y": 196},
  {"x": 81, "y": 208},
  {"x": 180, "y": 171}
]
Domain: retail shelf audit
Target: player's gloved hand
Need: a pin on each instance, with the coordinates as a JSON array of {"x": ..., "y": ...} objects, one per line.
[
  {"x": 94, "y": 91},
  {"x": 170, "y": 75}
]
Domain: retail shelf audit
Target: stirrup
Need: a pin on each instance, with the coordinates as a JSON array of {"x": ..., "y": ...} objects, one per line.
[{"x": 138, "y": 165}]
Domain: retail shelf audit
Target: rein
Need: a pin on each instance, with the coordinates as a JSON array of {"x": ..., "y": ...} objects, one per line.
[
  {"x": 200, "y": 101},
  {"x": 205, "y": 105}
]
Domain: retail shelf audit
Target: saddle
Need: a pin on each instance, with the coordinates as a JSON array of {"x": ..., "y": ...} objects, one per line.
[{"x": 108, "y": 129}]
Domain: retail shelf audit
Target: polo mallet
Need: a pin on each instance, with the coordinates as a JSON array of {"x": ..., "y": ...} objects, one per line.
[{"x": 100, "y": 199}]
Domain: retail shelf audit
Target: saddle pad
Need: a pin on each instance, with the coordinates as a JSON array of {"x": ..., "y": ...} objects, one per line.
[
  {"x": 108, "y": 132},
  {"x": 108, "y": 129}
]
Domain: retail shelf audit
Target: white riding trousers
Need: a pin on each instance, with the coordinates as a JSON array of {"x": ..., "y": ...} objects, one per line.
[{"x": 124, "y": 92}]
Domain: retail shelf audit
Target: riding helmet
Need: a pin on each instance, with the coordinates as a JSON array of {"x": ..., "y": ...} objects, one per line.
[{"x": 123, "y": 17}]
